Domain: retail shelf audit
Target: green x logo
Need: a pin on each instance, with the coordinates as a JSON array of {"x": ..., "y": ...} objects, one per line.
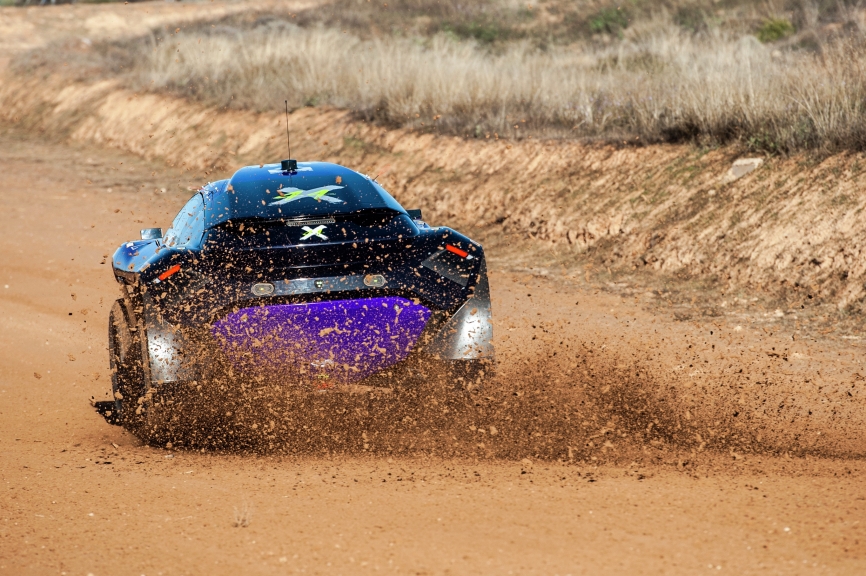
[{"x": 286, "y": 195}]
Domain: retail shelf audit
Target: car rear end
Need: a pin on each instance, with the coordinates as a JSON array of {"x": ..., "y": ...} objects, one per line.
[{"x": 320, "y": 300}]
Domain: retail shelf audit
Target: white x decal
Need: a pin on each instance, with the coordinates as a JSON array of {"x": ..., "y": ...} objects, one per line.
[
  {"x": 286, "y": 195},
  {"x": 310, "y": 232}
]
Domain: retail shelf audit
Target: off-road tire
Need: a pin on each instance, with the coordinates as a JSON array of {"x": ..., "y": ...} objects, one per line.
[
  {"x": 135, "y": 396},
  {"x": 124, "y": 353}
]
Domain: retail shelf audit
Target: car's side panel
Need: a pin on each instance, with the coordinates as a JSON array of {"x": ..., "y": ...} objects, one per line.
[{"x": 132, "y": 257}]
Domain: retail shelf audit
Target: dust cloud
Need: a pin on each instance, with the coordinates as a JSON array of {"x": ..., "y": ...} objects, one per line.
[{"x": 563, "y": 399}]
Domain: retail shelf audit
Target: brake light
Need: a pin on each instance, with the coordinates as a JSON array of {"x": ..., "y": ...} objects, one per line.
[
  {"x": 456, "y": 250},
  {"x": 173, "y": 270}
]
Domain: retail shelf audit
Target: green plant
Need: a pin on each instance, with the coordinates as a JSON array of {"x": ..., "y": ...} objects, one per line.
[
  {"x": 610, "y": 21},
  {"x": 774, "y": 29},
  {"x": 691, "y": 17},
  {"x": 764, "y": 142},
  {"x": 483, "y": 33}
]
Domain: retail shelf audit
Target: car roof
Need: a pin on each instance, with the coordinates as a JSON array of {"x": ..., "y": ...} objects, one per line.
[{"x": 315, "y": 189}]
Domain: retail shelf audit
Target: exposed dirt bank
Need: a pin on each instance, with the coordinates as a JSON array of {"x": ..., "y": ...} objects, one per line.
[{"x": 791, "y": 227}]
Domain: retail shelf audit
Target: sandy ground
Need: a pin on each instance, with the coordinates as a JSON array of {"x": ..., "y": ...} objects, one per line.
[
  {"x": 27, "y": 27},
  {"x": 79, "y": 496},
  {"x": 644, "y": 435}
]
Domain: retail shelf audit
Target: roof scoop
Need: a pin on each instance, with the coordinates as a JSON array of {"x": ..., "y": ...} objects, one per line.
[{"x": 289, "y": 165}]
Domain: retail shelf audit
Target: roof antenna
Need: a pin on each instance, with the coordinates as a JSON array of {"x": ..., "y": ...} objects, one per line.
[
  {"x": 289, "y": 165},
  {"x": 382, "y": 171}
]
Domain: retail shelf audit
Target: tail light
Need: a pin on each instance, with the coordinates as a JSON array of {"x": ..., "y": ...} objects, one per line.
[{"x": 171, "y": 271}]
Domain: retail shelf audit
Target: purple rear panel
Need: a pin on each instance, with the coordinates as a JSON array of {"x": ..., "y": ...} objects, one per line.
[{"x": 339, "y": 341}]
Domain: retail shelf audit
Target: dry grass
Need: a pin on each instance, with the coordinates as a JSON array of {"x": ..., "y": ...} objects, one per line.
[
  {"x": 676, "y": 75},
  {"x": 660, "y": 83}
]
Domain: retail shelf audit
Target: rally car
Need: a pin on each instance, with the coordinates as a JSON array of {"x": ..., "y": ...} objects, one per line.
[{"x": 304, "y": 273}]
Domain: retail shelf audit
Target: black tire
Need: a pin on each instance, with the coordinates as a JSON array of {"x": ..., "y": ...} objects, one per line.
[
  {"x": 124, "y": 354},
  {"x": 134, "y": 393}
]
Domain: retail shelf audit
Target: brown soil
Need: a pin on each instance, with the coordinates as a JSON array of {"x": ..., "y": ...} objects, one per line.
[
  {"x": 644, "y": 422},
  {"x": 575, "y": 479}
]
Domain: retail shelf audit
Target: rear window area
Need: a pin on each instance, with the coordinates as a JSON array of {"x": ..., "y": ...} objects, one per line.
[{"x": 317, "y": 189}]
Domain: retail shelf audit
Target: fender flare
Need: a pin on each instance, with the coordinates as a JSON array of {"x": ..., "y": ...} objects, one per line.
[{"x": 468, "y": 334}]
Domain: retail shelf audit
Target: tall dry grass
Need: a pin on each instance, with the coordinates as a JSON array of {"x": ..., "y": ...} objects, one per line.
[{"x": 658, "y": 83}]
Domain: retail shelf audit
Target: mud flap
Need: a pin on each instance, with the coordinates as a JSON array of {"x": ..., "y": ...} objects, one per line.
[
  {"x": 167, "y": 351},
  {"x": 107, "y": 410},
  {"x": 468, "y": 334}
]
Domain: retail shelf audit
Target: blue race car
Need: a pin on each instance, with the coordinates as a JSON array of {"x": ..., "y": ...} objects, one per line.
[{"x": 304, "y": 273}]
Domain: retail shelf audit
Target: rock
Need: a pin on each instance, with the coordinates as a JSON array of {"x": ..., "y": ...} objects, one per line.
[{"x": 742, "y": 167}]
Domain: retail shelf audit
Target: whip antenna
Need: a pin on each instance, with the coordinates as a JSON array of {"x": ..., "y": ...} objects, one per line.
[
  {"x": 288, "y": 138},
  {"x": 289, "y": 165}
]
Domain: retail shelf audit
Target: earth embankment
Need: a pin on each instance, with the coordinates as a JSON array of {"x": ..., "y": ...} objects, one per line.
[{"x": 791, "y": 227}]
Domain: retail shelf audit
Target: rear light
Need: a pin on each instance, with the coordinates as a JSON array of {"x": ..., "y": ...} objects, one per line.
[
  {"x": 452, "y": 263},
  {"x": 263, "y": 289},
  {"x": 173, "y": 270},
  {"x": 456, "y": 250},
  {"x": 374, "y": 280}
]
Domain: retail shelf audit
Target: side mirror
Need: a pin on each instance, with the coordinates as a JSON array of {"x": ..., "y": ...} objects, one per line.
[
  {"x": 414, "y": 214},
  {"x": 151, "y": 234}
]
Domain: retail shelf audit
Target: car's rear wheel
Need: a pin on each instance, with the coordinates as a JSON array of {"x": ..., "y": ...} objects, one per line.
[
  {"x": 124, "y": 358},
  {"x": 134, "y": 393}
]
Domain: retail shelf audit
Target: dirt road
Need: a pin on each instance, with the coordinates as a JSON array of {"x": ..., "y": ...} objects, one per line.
[{"x": 595, "y": 492}]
